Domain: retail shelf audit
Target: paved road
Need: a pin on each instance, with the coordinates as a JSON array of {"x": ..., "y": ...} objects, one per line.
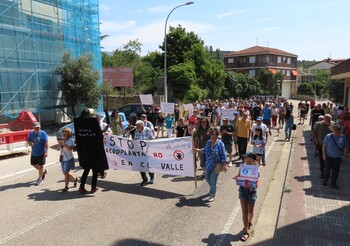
[{"x": 169, "y": 212}]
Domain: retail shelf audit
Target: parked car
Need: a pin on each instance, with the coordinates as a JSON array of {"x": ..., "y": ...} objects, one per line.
[
  {"x": 59, "y": 134},
  {"x": 134, "y": 108}
]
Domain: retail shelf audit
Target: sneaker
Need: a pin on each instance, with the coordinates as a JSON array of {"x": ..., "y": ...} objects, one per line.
[
  {"x": 264, "y": 164},
  {"x": 38, "y": 182},
  {"x": 144, "y": 182},
  {"x": 211, "y": 198},
  {"x": 230, "y": 164},
  {"x": 151, "y": 181},
  {"x": 236, "y": 154},
  {"x": 44, "y": 174}
]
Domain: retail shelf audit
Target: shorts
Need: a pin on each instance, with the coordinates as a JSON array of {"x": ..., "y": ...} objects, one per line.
[
  {"x": 160, "y": 125},
  {"x": 37, "y": 160},
  {"x": 66, "y": 166},
  {"x": 228, "y": 148},
  {"x": 247, "y": 194},
  {"x": 267, "y": 122}
]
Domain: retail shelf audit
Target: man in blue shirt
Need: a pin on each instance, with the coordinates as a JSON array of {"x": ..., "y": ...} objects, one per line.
[
  {"x": 144, "y": 133},
  {"x": 38, "y": 139}
]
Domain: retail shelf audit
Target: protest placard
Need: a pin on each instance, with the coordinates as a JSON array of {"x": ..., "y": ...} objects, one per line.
[
  {"x": 146, "y": 99},
  {"x": 167, "y": 107},
  {"x": 188, "y": 107},
  {"x": 229, "y": 113}
]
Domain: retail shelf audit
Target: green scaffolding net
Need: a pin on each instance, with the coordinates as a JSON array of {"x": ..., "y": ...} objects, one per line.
[{"x": 34, "y": 34}]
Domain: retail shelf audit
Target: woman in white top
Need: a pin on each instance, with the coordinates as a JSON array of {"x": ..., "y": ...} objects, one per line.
[{"x": 66, "y": 146}]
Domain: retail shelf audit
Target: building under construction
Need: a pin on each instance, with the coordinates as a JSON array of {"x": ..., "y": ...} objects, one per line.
[{"x": 34, "y": 34}]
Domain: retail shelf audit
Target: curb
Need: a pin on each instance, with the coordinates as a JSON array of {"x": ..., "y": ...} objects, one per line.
[{"x": 266, "y": 223}]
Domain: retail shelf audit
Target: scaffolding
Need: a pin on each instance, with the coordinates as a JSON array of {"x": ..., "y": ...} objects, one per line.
[{"x": 34, "y": 34}]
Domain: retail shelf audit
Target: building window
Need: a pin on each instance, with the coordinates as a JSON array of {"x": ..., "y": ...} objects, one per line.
[
  {"x": 252, "y": 59},
  {"x": 288, "y": 72},
  {"x": 252, "y": 73},
  {"x": 230, "y": 60},
  {"x": 283, "y": 71},
  {"x": 279, "y": 59},
  {"x": 288, "y": 60}
]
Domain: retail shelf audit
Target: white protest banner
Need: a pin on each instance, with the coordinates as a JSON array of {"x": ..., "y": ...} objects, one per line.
[
  {"x": 229, "y": 113},
  {"x": 168, "y": 156},
  {"x": 146, "y": 99},
  {"x": 188, "y": 107},
  {"x": 167, "y": 107}
]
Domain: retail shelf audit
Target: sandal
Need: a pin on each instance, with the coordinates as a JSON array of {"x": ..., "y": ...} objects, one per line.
[
  {"x": 249, "y": 226},
  {"x": 202, "y": 176},
  {"x": 76, "y": 182},
  {"x": 245, "y": 236},
  {"x": 65, "y": 189}
]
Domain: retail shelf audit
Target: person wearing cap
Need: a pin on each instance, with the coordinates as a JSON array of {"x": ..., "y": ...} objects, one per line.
[
  {"x": 147, "y": 123},
  {"x": 247, "y": 197},
  {"x": 38, "y": 140},
  {"x": 144, "y": 133},
  {"x": 264, "y": 130},
  {"x": 227, "y": 131},
  {"x": 334, "y": 148},
  {"x": 320, "y": 131},
  {"x": 160, "y": 123}
]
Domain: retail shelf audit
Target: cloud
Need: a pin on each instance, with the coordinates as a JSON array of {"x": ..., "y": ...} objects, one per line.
[
  {"x": 150, "y": 36},
  {"x": 158, "y": 9},
  {"x": 267, "y": 29},
  {"x": 230, "y": 13},
  {"x": 110, "y": 27}
]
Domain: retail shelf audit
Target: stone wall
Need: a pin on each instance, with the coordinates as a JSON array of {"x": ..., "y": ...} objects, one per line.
[{"x": 118, "y": 101}]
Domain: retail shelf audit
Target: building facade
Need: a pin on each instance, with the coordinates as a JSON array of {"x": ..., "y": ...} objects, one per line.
[
  {"x": 254, "y": 59},
  {"x": 342, "y": 71},
  {"x": 34, "y": 34}
]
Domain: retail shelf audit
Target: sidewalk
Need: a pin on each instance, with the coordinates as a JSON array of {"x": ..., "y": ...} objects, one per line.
[{"x": 310, "y": 213}]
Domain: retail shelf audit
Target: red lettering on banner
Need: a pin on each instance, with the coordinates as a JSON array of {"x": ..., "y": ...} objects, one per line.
[{"x": 157, "y": 155}]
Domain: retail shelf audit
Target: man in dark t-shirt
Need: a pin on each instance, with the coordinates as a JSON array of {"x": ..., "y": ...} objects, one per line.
[{"x": 227, "y": 132}]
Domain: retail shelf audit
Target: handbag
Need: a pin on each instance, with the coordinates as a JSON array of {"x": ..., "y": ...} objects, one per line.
[
  {"x": 219, "y": 167},
  {"x": 294, "y": 127}
]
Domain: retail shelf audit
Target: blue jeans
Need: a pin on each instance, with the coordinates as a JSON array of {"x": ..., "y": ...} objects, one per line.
[
  {"x": 211, "y": 177},
  {"x": 288, "y": 130},
  {"x": 263, "y": 156}
]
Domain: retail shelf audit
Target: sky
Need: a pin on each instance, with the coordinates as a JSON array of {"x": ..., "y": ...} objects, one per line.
[{"x": 311, "y": 29}]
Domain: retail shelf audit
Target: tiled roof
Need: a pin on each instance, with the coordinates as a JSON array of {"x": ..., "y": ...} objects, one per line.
[{"x": 259, "y": 50}]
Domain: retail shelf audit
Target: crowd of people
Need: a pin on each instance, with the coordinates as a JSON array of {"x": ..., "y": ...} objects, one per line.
[{"x": 218, "y": 138}]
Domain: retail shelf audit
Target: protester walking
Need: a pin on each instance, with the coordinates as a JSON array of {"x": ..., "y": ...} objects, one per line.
[
  {"x": 38, "y": 140},
  {"x": 247, "y": 196},
  {"x": 116, "y": 123},
  {"x": 289, "y": 121},
  {"x": 334, "y": 148},
  {"x": 215, "y": 153},
  {"x": 65, "y": 147}
]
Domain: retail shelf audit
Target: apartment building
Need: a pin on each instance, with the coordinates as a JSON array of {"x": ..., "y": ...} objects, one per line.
[{"x": 254, "y": 59}]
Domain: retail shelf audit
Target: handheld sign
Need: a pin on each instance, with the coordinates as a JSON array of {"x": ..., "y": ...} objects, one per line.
[
  {"x": 167, "y": 107},
  {"x": 146, "y": 99}
]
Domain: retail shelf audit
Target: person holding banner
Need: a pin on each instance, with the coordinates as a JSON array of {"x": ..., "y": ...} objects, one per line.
[
  {"x": 201, "y": 138},
  {"x": 215, "y": 153},
  {"x": 144, "y": 133}
]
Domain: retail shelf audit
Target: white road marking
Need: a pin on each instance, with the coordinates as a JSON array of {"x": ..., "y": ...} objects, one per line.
[
  {"x": 33, "y": 226},
  {"x": 11, "y": 175}
]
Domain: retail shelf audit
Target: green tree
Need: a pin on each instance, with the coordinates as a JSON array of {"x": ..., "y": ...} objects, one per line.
[
  {"x": 240, "y": 85},
  {"x": 336, "y": 90},
  {"x": 306, "y": 88},
  {"x": 106, "y": 89},
  {"x": 181, "y": 77},
  {"x": 78, "y": 81},
  {"x": 266, "y": 80}
]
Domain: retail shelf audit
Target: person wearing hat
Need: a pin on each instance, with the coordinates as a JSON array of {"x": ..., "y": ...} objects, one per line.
[
  {"x": 259, "y": 125},
  {"x": 147, "y": 123},
  {"x": 38, "y": 140},
  {"x": 227, "y": 131},
  {"x": 144, "y": 133},
  {"x": 247, "y": 197},
  {"x": 334, "y": 148}
]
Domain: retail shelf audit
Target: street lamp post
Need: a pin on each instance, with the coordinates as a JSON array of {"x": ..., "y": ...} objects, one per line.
[{"x": 165, "y": 65}]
